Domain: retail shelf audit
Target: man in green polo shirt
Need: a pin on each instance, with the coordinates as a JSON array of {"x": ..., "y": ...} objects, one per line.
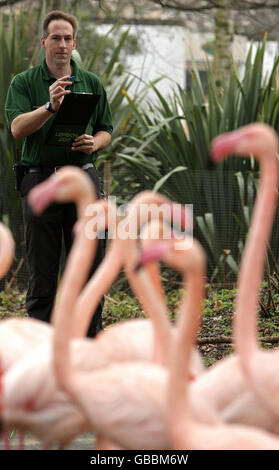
[{"x": 33, "y": 99}]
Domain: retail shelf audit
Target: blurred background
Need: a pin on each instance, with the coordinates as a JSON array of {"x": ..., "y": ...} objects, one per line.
[{"x": 177, "y": 73}]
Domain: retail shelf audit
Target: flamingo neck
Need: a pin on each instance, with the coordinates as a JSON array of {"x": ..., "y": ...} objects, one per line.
[
  {"x": 74, "y": 277},
  {"x": 98, "y": 285},
  {"x": 253, "y": 260},
  {"x": 155, "y": 308},
  {"x": 178, "y": 408}
]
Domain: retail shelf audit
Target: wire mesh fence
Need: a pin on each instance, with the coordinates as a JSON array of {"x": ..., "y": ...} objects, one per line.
[{"x": 222, "y": 213}]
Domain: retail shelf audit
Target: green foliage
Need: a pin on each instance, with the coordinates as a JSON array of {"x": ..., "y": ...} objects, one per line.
[
  {"x": 169, "y": 150},
  {"x": 209, "y": 361},
  {"x": 12, "y": 303},
  {"x": 16, "y": 55}
]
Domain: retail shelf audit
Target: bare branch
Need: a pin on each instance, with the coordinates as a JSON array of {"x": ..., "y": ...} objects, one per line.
[
  {"x": 228, "y": 339},
  {"x": 191, "y": 7},
  {"x": 208, "y": 5},
  {"x": 4, "y": 3}
]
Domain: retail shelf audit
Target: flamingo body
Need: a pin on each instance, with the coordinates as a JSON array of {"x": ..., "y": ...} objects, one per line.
[{"x": 18, "y": 336}]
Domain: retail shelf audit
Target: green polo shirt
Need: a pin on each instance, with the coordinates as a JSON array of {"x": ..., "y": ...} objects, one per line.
[{"x": 30, "y": 89}]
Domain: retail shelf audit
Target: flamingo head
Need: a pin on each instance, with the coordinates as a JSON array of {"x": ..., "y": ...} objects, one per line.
[
  {"x": 69, "y": 184},
  {"x": 149, "y": 204},
  {"x": 256, "y": 139},
  {"x": 181, "y": 255},
  {"x": 153, "y": 252}
]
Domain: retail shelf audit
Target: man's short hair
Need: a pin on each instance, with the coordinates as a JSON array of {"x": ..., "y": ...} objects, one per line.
[{"x": 59, "y": 15}]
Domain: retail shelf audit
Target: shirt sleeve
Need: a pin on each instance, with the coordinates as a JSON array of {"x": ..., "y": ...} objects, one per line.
[
  {"x": 104, "y": 118},
  {"x": 18, "y": 100}
]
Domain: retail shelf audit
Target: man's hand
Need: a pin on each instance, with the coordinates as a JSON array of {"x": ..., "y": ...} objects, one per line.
[
  {"x": 84, "y": 143},
  {"x": 89, "y": 144},
  {"x": 57, "y": 92}
]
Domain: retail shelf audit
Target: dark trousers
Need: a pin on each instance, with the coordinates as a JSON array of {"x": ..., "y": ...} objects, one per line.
[{"x": 43, "y": 236}]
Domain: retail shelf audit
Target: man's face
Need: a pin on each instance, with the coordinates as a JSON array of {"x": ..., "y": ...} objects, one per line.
[{"x": 59, "y": 43}]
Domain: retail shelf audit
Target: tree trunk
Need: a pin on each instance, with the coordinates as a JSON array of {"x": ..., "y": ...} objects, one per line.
[{"x": 223, "y": 42}]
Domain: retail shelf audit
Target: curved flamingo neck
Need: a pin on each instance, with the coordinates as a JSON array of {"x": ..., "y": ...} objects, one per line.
[
  {"x": 155, "y": 308},
  {"x": 98, "y": 285},
  {"x": 178, "y": 408},
  {"x": 74, "y": 277},
  {"x": 253, "y": 259}
]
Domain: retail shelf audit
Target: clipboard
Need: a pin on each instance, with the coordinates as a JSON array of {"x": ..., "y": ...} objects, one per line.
[{"x": 71, "y": 119}]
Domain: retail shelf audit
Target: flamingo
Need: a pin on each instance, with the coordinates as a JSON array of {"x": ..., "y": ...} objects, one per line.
[
  {"x": 259, "y": 367},
  {"x": 239, "y": 403},
  {"x": 184, "y": 429}
]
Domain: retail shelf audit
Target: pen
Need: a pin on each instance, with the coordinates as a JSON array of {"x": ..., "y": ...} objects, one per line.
[{"x": 70, "y": 78}]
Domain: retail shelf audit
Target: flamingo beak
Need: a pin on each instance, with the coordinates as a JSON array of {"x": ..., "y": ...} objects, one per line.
[
  {"x": 154, "y": 252},
  {"x": 43, "y": 194}
]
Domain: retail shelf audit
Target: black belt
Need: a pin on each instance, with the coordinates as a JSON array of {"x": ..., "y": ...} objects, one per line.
[{"x": 53, "y": 169}]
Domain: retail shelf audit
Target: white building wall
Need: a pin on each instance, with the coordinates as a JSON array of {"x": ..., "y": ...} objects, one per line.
[
  {"x": 163, "y": 55},
  {"x": 168, "y": 50},
  {"x": 271, "y": 52}
]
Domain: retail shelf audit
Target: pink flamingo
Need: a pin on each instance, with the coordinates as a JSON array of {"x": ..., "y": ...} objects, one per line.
[
  {"x": 185, "y": 430},
  {"x": 259, "y": 366},
  {"x": 238, "y": 403}
]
